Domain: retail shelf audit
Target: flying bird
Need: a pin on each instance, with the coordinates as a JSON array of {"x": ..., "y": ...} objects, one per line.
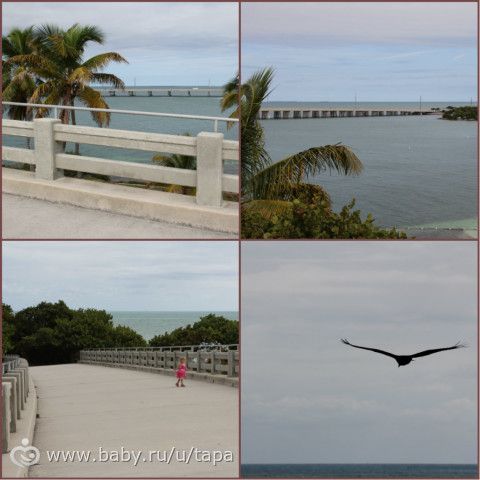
[{"x": 405, "y": 359}]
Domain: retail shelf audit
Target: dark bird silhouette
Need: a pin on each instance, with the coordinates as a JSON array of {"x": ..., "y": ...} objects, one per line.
[{"x": 405, "y": 359}]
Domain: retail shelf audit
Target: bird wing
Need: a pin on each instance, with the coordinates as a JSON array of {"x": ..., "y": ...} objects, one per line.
[
  {"x": 383, "y": 352},
  {"x": 435, "y": 350}
]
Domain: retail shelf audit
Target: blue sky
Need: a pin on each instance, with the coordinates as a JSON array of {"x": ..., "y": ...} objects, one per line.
[
  {"x": 307, "y": 398},
  {"x": 122, "y": 275},
  {"x": 379, "y": 51},
  {"x": 165, "y": 43}
]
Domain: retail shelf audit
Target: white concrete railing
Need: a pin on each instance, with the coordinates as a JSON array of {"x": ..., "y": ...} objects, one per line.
[
  {"x": 15, "y": 395},
  {"x": 210, "y": 150},
  {"x": 211, "y": 362}
]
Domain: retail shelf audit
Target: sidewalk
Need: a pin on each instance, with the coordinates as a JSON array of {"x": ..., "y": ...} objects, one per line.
[{"x": 28, "y": 218}]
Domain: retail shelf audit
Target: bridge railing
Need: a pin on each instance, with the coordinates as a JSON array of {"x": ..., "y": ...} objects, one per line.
[
  {"x": 16, "y": 397},
  {"x": 10, "y": 362},
  {"x": 199, "y": 360},
  {"x": 55, "y": 109},
  {"x": 180, "y": 348},
  {"x": 49, "y": 158}
]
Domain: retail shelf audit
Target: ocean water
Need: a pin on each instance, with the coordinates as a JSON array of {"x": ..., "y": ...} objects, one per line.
[
  {"x": 418, "y": 171},
  {"x": 208, "y": 106},
  {"x": 149, "y": 324},
  {"x": 334, "y": 470}
]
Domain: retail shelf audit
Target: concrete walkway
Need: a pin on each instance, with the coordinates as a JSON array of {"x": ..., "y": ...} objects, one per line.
[
  {"x": 87, "y": 407},
  {"x": 38, "y": 219}
]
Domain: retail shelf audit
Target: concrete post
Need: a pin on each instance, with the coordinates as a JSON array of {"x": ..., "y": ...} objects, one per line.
[
  {"x": 14, "y": 402},
  {"x": 231, "y": 363},
  {"x": 212, "y": 363},
  {"x": 209, "y": 168},
  {"x": 6, "y": 413},
  {"x": 19, "y": 376},
  {"x": 46, "y": 148},
  {"x": 17, "y": 395},
  {"x": 199, "y": 361}
]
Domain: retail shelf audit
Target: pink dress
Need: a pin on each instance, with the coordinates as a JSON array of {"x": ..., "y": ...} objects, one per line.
[{"x": 182, "y": 371}]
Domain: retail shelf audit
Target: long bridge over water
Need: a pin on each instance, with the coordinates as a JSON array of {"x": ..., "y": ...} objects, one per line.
[
  {"x": 162, "y": 92},
  {"x": 288, "y": 113}
]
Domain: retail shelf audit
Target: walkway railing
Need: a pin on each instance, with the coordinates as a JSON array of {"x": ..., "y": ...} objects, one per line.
[
  {"x": 55, "y": 109},
  {"x": 180, "y": 348},
  {"x": 15, "y": 398},
  {"x": 10, "y": 362},
  {"x": 198, "y": 360},
  {"x": 49, "y": 158}
]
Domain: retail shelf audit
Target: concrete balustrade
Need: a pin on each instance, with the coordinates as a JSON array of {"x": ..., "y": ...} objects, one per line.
[
  {"x": 207, "y": 209},
  {"x": 19, "y": 408},
  {"x": 215, "y": 366}
]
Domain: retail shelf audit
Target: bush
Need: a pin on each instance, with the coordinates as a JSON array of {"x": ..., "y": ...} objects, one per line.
[
  {"x": 209, "y": 329},
  {"x": 312, "y": 220},
  {"x": 460, "y": 113}
]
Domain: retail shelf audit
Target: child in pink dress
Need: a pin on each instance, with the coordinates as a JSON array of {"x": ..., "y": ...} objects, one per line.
[{"x": 181, "y": 373}]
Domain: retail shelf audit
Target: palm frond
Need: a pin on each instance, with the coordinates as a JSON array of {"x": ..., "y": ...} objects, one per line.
[
  {"x": 295, "y": 168},
  {"x": 102, "y": 60},
  {"x": 80, "y": 74},
  {"x": 108, "y": 79},
  {"x": 93, "y": 99}
]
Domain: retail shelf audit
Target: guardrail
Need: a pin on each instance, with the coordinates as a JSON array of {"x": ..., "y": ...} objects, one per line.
[
  {"x": 181, "y": 348},
  {"x": 214, "y": 362},
  {"x": 16, "y": 400},
  {"x": 10, "y": 362},
  {"x": 209, "y": 148},
  {"x": 56, "y": 108}
]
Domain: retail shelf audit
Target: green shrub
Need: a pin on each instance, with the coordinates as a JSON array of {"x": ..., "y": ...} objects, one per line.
[
  {"x": 209, "y": 329},
  {"x": 460, "y": 113},
  {"x": 312, "y": 220}
]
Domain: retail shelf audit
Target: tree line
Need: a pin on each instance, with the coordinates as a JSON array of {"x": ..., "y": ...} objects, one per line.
[{"x": 53, "y": 333}]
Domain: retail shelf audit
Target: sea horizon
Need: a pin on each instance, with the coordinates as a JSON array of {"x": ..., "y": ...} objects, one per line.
[
  {"x": 359, "y": 470},
  {"x": 149, "y": 323}
]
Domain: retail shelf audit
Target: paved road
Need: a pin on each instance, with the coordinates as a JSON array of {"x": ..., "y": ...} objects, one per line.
[
  {"x": 30, "y": 218},
  {"x": 85, "y": 407}
]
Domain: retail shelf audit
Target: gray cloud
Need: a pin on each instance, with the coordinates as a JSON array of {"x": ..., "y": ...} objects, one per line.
[
  {"x": 122, "y": 275},
  {"x": 308, "y": 398},
  {"x": 165, "y": 43},
  {"x": 342, "y": 23},
  {"x": 325, "y": 51}
]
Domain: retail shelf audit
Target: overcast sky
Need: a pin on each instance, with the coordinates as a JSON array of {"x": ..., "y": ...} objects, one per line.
[
  {"x": 165, "y": 43},
  {"x": 307, "y": 398},
  {"x": 122, "y": 275},
  {"x": 380, "y": 51}
]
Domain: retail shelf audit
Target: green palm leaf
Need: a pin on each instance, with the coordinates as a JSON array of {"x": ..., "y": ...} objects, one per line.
[{"x": 294, "y": 169}]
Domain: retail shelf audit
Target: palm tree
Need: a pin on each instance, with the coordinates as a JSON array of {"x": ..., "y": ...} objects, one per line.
[
  {"x": 65, "y": 75},
  {"x": 18, "y": 82},
  {"x": 271, "y": 186}
]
